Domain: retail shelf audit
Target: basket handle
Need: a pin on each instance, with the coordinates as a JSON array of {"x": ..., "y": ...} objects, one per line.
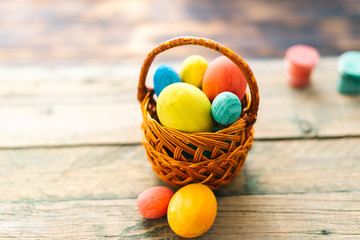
[{"x": 181, "y": 41}]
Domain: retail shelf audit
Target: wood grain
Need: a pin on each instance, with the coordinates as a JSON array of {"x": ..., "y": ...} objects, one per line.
[
  {"x": 316, "y": 111},
  {"x": 69, "y": 105},
  {"x": 284, "y": 216},
  {"x": 272, "y": 167},
  {"x": 96, "y": 104},
  {"x": 71, "y": 163}
]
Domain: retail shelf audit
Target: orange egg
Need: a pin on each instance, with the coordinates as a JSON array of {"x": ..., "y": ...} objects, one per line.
[
  {"x": 154, "y": 201},
  {"x": 223, "y": 75},
  {"x": 192, "y": 210}
]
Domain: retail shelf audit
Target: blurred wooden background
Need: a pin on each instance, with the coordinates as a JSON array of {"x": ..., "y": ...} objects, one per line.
[{"x": 108, "y": 31}]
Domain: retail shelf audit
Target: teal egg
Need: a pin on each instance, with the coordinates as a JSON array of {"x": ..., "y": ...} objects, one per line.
[
  {"x": 226, "y": 108},
  {"x": 163, "y": 77}
]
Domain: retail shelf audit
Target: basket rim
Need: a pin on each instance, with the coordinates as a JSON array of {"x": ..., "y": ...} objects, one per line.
[{"x": 143, "y": 90}]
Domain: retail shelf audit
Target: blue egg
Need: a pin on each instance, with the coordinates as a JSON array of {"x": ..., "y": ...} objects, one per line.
[
  {"x": 163, "y": 77},
  {"x": 226, "y": 108}
]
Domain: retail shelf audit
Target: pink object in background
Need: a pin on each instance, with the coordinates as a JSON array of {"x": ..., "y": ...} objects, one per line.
[{"x": 300, "y": 61}]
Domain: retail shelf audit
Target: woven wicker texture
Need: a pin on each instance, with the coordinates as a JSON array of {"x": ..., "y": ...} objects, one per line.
[{"x": 213, "y": 159}]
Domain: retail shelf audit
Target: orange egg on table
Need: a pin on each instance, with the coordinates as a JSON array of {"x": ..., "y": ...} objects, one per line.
[
  {"x": 223, "y": 75},
  {"x": 192, "y": 210}
]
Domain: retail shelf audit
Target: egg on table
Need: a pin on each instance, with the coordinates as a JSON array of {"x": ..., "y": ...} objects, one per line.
[
  {"x": 153, "y": 202},
  {"x": 192, "y": 210}
]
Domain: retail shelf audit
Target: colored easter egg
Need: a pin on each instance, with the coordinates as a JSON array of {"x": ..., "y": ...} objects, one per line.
[
  {"x": 154, "y": 201},
  {"x": 193, "y": 70},
  {"x": 192, "y": 210},
  {"x": 223, "y": 75},
  {"x": 163, "y": 77},
  {"x": 349, "y": 73},
  {"x": 226, "y": 108},
  {"x": 184, "y": 107}
]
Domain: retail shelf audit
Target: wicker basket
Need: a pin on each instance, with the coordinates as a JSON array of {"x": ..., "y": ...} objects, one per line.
[{"x": 213, "y": 159}]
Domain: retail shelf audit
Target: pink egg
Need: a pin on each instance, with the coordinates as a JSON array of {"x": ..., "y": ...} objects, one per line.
[
  {"x": 222, "y": 75},
  {"x": 154, "y": 201}
]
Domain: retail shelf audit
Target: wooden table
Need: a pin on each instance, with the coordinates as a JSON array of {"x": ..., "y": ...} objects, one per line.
[
  {"x": 72, "y": 166},
  {"x": 71, "y": 162}
]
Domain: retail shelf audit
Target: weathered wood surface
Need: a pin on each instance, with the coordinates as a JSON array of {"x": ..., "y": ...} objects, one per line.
[
  {"x": 71, "y": 165},
  {"x": 272, "y": 167},
  {"x": 113, "y": 30},
  {"x": 283, "y": 216},
  {"x": 68, "y": 105},
  {"x": 47, "y": 106}
]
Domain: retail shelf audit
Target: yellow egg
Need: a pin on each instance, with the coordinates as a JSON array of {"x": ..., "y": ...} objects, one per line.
[
  {"x": 184, "y": 107},
  {"x": 193, "y": 70},
  {"x": 192, "y": 210}
]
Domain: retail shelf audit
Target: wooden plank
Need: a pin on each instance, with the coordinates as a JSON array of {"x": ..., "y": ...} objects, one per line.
[
  {"x": 82, "y": 104},
  {"x": 74, "y": 173},
  {"x": 69, "y": 105},
  {"x": 284, "y": 216},
  {"x": 299, "y": 167},
  {"x": 89, "y": 122},
  {"x": 280, "y": 167}
]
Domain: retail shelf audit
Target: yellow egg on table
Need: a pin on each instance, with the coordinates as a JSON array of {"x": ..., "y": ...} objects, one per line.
[
  {"x": 193, "y": 70},
  {"x": 184, "y": 107},
  {"x": 192, "y": 210}
]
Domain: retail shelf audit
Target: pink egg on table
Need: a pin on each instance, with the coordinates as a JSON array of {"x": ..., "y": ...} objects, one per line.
[
  {"x": 222, "y": 75},
  {"x": 154, "y": 201}
]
